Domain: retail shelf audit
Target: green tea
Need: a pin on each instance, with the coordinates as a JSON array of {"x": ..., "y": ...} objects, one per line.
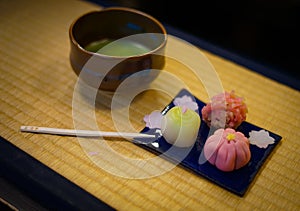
[
  {"x": 122, "y": 47},
  {"x": 96, "y": 45}
]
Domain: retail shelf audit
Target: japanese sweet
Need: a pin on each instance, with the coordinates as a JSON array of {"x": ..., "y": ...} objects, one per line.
[
  {"x": 225, "y": 110},
  {"x": 227, "y": 149},
  {"x": 180, "y": 126}
]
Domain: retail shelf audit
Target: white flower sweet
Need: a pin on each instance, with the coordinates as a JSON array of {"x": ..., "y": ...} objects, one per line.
[
  {"x": 186, "y": 101},
  {"x": 153, "y": 120},
  {"x": 260, "y": 138}
]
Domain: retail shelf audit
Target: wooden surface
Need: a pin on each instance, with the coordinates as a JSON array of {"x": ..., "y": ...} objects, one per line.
[{"x": 37, "y": 88}]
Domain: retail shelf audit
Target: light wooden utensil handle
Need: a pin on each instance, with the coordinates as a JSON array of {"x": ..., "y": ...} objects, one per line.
[{"x": 82, "y": 133}]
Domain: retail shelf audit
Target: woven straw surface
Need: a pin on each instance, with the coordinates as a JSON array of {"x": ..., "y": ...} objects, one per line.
[{"x": 37, "y": 87}]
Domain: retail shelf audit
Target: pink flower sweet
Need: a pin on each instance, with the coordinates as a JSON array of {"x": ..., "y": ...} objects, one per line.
[
  {"x": 227, "y": 149},
  {"x": 226, "y": 110}
]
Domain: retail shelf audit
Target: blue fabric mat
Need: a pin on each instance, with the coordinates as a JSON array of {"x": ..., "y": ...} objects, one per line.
[{"x": 39, "y": 182}]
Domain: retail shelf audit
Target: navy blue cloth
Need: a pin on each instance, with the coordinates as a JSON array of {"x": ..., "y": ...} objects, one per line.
[{"x": 42, "y": 184}]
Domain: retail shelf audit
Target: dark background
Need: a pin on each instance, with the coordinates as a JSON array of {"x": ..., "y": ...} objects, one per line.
[{"x": 264, "y": 31}]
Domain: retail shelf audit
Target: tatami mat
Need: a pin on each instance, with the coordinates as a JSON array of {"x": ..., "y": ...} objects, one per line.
[{"x": 37, "y": 87}]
